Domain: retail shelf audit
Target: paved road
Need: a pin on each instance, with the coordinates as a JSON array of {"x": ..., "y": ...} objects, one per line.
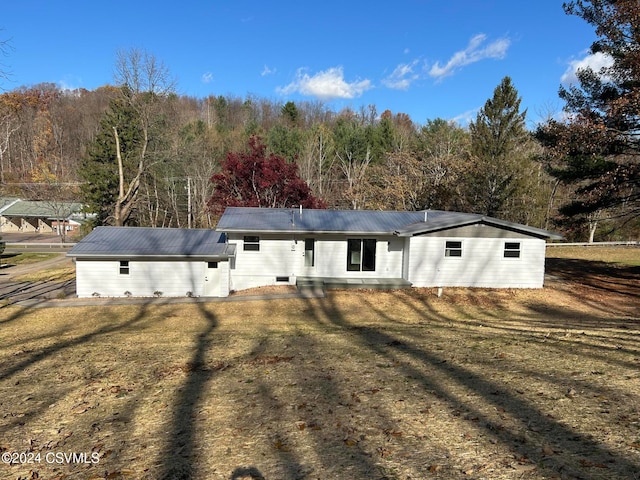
[{"x": 34, "y": 242}]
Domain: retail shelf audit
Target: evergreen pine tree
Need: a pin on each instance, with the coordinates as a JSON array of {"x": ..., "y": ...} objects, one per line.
[{"x": 498, "y": 138}]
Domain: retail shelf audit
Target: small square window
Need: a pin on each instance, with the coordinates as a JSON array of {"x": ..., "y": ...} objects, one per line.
[
  {"x": 212, "y": 264},
  {"x": 453, "y": 249},
  {"x": 512, "y": 250},
  {"x": 251, "y": 243},
  {"x": 124, "y": 267}
]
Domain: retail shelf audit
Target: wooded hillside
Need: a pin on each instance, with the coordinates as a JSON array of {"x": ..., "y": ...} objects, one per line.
[{"x": 61, "y": 143}]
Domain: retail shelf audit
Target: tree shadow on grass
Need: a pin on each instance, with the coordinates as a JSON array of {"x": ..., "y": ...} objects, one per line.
[
  {"x": 62, "y": 345},
  {"x": 47, "y": 362},
  {"x": 178, "y": 456},
  {"x": 314, "y": 411},
  {"x": 568, "y": 328},
  {"x": 607, "y": 277},
  {"x": 436, "y": 373}
]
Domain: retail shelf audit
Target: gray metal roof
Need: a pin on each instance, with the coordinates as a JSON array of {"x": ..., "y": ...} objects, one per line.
[
  {"x": 276, "y": 220},
  {"x": 449, "y": 220},
  {"x": 124, "y": 242},
  {"x": 250, "y": 219}
]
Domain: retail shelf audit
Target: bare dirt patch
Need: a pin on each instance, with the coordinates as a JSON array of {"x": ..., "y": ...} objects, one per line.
[
  {"x": 367, "y": 385},
  {"x": 268, "y": 290}
]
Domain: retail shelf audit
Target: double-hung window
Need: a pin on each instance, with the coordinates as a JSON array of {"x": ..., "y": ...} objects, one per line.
[
  {"x": 124, "y": 267},
  {"x": 453, "y": 248},
  {"x": 512, "y": 250},
  {"x": 251, "y": 243},
  {"x": 361, "y": 255}
]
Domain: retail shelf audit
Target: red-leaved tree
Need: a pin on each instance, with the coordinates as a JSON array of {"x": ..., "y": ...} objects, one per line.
[{"x": 255, "y": 179}]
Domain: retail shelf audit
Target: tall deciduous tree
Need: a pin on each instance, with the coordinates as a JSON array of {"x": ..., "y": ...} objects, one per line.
[
  {"x": 8, "y": 126},
  {"x": 398, "y": 183},
  {"x": 597, "y": 148},
  {"x": 255, "y": 179},
  {"x": 497, "y": 139},
  {"x": 353, "y": 151},
  {"x": 443, "y": 148},
  {"x": 317, "y": 160},
  {"x": 145, "y": 84}
]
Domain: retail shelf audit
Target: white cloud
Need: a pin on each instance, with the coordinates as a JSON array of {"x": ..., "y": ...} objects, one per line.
[
  {"x": 207, "y": 77},
  {"x": 66, "y": 86},
  {"x": 465, "y": 118},
  {"x": 327, "y": 85},
  {"x": 402, "y": 76},
  {"x": 474, "y": 52},
  {"x": 595, "y": 62},
  {"x": 70, "y": 83},
  {"x": 267, "y": 71}
]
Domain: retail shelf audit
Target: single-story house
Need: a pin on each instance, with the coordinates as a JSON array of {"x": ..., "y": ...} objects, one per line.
[
  {"x": 145, "y": 262},
  {"x": 423, "y": 248},
  {"x": 254, "y": 247}
]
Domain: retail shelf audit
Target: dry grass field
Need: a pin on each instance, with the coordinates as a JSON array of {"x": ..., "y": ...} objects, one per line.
[{"x": 495, "y": 384}]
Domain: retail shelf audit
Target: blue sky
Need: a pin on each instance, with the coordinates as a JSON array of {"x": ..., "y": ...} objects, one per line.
[{"x": 426, "y": 58}]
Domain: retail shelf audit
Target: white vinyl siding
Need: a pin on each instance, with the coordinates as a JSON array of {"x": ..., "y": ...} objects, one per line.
[
  {"x": 277, "y": 257},
  {"x": 174, "y": 278},
  {"x": 284, "y": 256},
  {"x": 483, "y": 263}
]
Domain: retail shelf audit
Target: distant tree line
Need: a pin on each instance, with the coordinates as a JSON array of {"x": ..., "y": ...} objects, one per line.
[{"x": 139, "y": 154}]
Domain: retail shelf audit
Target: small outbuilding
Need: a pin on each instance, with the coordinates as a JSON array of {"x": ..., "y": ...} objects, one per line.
[{"x": 144, "y": 262}]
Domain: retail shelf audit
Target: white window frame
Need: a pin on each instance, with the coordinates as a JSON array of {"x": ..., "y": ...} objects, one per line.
[
  {"x": 368, "y": 247},
  {"x": 251, "y": 243},
  {"x": 510, "y": 252},
  {"x": 124, "y": 267},
  {"x": 449, "y": 248}
]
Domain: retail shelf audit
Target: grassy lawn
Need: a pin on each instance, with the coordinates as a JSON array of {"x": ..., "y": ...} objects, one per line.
[
  {"x": 27, "y": 258},
  {"x": 55, "y": 274},
  {"x": 363, "y": 385},
  {"x": 629, "y": 256}
]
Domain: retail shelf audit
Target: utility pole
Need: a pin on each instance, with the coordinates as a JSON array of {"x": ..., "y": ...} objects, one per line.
[{"x": 188, "y": 202}]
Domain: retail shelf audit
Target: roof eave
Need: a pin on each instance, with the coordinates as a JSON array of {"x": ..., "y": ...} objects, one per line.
[
  {"x": 305, "y": 232},
  {"x": 530, "y": 231},
  {"x": 115, "y": 256}
]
